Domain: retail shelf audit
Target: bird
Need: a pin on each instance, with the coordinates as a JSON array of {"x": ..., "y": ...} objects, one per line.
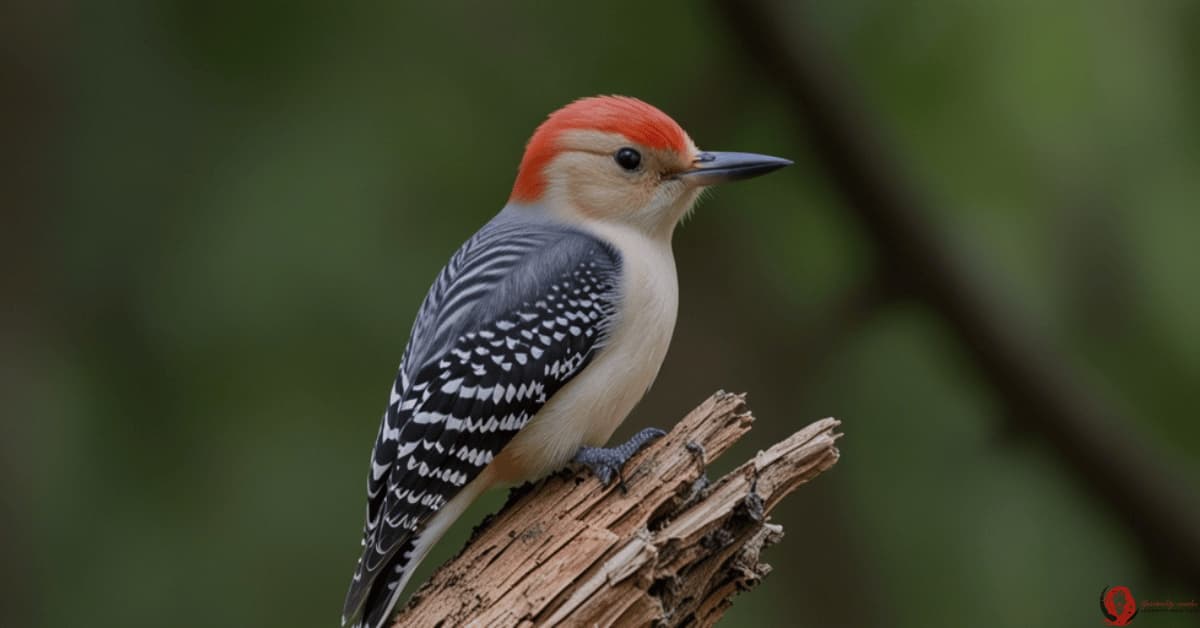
[{"x": 540, "y": 334}]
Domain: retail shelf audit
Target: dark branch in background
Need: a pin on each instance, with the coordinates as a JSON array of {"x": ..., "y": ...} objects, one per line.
[
  {"x": 1038, "y": 390},
  {"x": 31, "y": 70}
]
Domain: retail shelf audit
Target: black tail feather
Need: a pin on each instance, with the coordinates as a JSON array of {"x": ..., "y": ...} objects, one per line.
[{"x": 368, "y": 602}]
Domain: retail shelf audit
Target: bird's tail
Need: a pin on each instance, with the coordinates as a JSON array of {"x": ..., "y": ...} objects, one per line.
[
  {"x": 370, "y": 606},
  {"x": 376, "y": 604}
]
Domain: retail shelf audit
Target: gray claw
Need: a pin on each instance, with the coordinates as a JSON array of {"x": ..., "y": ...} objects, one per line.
[{"x": 606, "y": 462}]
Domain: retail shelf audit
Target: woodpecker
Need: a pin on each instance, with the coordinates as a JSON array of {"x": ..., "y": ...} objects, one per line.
[{"x": 540, "y": 334}]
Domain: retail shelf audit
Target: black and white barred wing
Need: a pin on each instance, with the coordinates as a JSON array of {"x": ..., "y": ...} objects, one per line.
[
  {"x": 465, "y": 405},
  {"x": 471, "y": 290},
  {"x": 458, "y": 301}
]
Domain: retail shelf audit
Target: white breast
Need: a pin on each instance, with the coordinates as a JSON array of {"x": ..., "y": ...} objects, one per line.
[{"x": 590, "y": 408}]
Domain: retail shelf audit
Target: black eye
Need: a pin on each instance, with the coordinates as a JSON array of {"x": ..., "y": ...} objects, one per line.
[{"x": 628, "y": 158}]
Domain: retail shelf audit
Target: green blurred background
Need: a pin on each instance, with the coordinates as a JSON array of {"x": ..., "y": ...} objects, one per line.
[{"x": 232, "y": 210}]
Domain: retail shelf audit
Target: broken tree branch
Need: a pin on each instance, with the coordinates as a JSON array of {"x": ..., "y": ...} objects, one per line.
[{"x": 672, "y": 549}]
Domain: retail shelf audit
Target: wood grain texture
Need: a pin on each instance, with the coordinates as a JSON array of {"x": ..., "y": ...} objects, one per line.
[{"x": 672, "y": 549}]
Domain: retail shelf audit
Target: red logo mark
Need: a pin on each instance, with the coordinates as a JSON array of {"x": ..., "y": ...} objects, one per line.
[{"x": 1115, "y": 615}]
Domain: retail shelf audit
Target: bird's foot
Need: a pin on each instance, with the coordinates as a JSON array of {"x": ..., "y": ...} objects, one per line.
[{"x": 606, "y": 462}]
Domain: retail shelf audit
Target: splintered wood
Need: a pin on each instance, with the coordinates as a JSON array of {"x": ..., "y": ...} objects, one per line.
[{"x": 672, "y": 550}]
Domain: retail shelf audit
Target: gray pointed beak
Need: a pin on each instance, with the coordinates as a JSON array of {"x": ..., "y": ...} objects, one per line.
[{"x": 711, "y": 168}]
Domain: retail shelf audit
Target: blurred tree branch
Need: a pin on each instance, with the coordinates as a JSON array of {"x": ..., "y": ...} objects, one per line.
[
  {"x": 671, "y": 549},
  {"x": 31, "y": 71},
  {"x": 1040, "y": 393}
]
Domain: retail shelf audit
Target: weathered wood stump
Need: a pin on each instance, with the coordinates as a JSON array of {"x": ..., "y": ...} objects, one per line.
[{"x": 669, "y": 548}]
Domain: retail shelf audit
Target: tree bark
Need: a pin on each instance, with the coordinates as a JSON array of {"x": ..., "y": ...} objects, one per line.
[{"x": 668, "y": 548}]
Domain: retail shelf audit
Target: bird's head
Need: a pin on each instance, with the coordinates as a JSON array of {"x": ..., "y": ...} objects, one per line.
[{"x": 618, "y": 159}]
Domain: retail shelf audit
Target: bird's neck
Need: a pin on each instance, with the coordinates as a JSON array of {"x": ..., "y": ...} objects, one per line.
[{"x": 655, "y": 224}]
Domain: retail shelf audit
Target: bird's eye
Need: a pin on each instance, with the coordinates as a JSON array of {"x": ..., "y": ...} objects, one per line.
[{"x": 628, "y": 158}]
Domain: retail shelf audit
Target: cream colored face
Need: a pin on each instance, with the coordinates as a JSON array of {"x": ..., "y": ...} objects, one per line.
[{"x": 586, "y": 182}]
